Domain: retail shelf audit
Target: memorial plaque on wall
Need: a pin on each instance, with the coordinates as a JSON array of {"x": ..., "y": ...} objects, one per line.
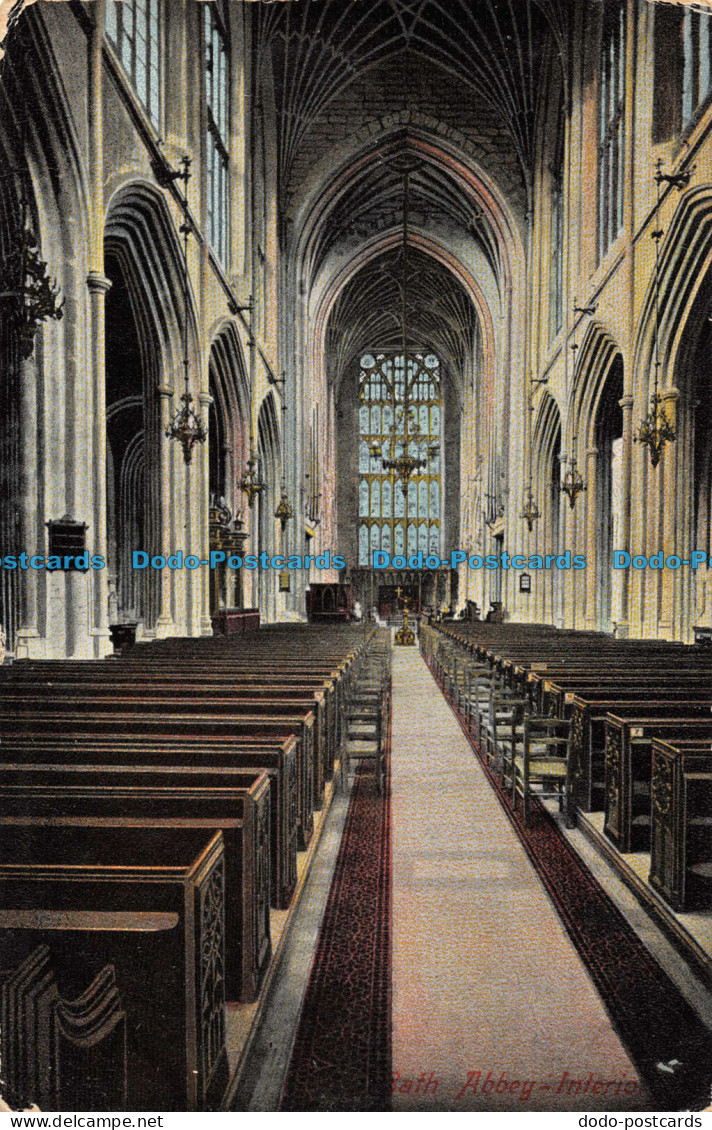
[{"x": 67, "y": 540}]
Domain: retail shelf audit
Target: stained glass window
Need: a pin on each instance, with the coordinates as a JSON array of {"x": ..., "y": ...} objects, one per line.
[
  {"x": 217, "y": 97},
  {"x": 697, "y": 82},
  {"x": 393, "y": 518},
  {"x": 133, "y": 27},
  {"x": 611, "y": 118}
]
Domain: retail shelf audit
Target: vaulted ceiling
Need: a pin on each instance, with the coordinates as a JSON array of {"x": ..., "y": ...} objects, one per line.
[
  {"x": 373, "y": 205},
  {"x": 348, "y": 68},
  {"x": 493, "y": 47},
  {"x": 367, "y": 314}
]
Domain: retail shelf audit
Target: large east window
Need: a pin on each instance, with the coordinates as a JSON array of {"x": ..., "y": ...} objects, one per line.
[
  {"x": 398, "y": 518},
  {"x": 611, "y": 115},
  {"x": 217, "y": 97},
  {"x": 696, "y": 86},
  {"x": 134, "y": 29}
]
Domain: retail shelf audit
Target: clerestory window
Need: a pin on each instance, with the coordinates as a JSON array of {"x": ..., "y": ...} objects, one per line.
[
  {"x": 217, "y": 98},
  {"x": 611, "y": 116},
  {"x": 696, "y": 85},
  {"x": 134, "y": 29}
]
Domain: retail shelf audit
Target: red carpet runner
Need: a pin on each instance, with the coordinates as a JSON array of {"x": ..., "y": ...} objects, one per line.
[
  {"x": 671, "y": 1047},
  {"x": 341, "y": 1058},
  {"x": 342, "y": 1054}
]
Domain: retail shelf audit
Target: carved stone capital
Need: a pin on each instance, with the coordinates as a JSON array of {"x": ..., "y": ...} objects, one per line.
[{"x": 98, "y": 284}]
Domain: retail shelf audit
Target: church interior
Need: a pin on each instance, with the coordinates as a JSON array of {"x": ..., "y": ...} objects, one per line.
[{"x": 355, "y": 549}]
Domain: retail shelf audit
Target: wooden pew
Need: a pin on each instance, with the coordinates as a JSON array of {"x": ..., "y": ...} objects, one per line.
[
  {"x": 149, "y": 902},
  {"x": 681, "y": 837},
  {"x": 59, "y": 1053},
  {"x": 628, "y": 770},
  {"x": 66, "y": 741},
  {"x": 557, "y": 694},
  {"x": 235, "y": 802},
  {"x": 218, "y": 717},
  {"x": 171, "y": 680},
  {"x": 587, "y": 746}
]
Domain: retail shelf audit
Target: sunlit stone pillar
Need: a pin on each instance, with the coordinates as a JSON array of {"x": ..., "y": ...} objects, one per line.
[{"x": 626, "y": 404}]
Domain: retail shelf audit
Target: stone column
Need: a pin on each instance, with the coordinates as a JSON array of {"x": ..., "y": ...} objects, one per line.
[
  {"x": 667, "y": 479},
  {"x": 593, "y": 564},
  {"x": 98, "y": 288},
  {"x": 28, "y": 611},
  {"x": 205, "y": 624},
  {"x": 167, "y": 492},
  {"x": 626, "y": 403}
]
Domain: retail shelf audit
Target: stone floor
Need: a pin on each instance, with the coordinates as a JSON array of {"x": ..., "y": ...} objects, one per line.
[{"x": 492, "y": 1007}]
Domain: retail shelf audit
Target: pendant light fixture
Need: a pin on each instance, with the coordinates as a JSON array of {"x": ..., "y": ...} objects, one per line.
[
  {"x": 186, "y": 427},
  {"x": 405, "y": 465},
  {"x": 657, "y": 429}
]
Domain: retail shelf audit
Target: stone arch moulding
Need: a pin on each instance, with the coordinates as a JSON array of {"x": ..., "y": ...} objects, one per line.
[
  {"x": 372, "y": 251},
  {"x": 229, "y": 389},
  {"x": 139, "y": 225},
  {"x": 230, "y": 372},
  {"x": 473, "y": 182},
  {"x": 681, "y": 276},
  {"x": 596, "y": 357},
  {"x": 548, "y": 420},
  {"x": 268, "y": 430}
]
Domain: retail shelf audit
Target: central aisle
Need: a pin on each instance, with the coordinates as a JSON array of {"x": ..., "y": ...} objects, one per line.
[{"x": 492, "y": 1007}]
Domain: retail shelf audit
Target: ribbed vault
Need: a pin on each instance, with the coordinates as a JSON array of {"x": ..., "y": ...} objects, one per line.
[
  {"x": 367, "y": 314},
  {"x": 373, "y": 205},
  {"x": 494, "y": 47}
]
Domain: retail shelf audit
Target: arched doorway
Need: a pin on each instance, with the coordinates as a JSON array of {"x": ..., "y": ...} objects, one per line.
[
  {"x": 130, "y": 364},
  {"x": 608, "y": 442},
  {"x": 227, "y": 454}
]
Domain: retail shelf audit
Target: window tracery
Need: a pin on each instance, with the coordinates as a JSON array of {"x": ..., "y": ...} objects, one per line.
[{"x": 395, "y": 518}]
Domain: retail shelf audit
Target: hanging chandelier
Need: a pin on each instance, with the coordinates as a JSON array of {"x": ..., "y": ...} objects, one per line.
[
  {"x": 25, "y": 286},
  {"x": 251, "y": 483},
  {"x": 530, "y": 512},
  {"x": 284, "y": 511},
  {"x": 406, "y": 464},
  {"x": 186, "y": 427},
  {"x": 572, "y": 484},
  {"x": 657, "y": 429}
]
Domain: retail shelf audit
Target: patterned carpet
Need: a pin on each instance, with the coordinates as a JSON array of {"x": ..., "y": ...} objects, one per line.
[
  {"x": 341, "y": 1058},
  {"x": 342, "y": 1054},
  {"x": 670, "y": 1045}
]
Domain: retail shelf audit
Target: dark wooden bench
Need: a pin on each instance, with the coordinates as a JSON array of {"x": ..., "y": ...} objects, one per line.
[
  {"x": 587, "y": 746},
  {"x": 148, "y": 902},
  {"x": 558, "y": 694},
  {"x": 236, "y": 803},
  {"x": 217, "y": 716},
  {"x": 296, "y": 715},
  {"x": 179, "y": 680},
  {"x": 61, "y": 1053},
  {"x": 65, "y": 740},
  {"x": 681, "y": 837},
  {"x": 628, "y": 770}
]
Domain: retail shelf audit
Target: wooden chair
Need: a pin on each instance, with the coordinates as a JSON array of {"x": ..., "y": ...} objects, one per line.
[
  {"x": 503, "y": 723},
  {"x": 541, "y": 769},
  {"x": 367, "y": 713}
]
